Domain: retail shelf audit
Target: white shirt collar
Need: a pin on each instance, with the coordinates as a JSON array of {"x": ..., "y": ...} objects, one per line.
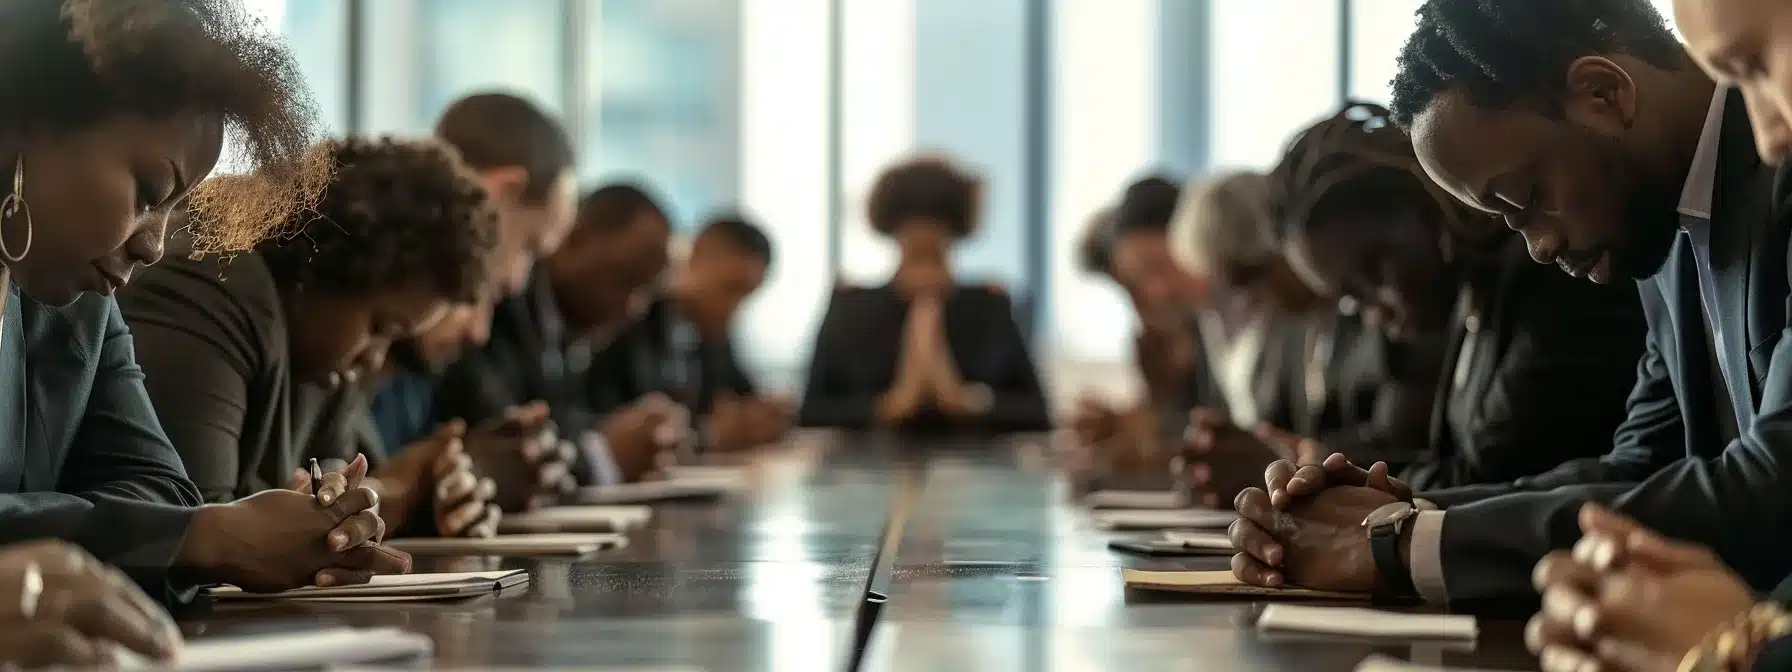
[{"x": 1696, "y": 195}]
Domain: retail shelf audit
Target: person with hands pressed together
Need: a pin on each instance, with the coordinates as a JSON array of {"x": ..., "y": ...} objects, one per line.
[
  {"x": 1602, "y": 143},
  {"x": 923, "y": 353},
  {"x": 251, "y": 359}
]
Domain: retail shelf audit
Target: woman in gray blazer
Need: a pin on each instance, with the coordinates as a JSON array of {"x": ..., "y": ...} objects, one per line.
[{"x": 121, "y": 113}]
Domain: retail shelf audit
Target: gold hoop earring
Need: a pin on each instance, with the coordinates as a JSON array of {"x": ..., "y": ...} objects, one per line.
[{"x": 10, "y": 207}]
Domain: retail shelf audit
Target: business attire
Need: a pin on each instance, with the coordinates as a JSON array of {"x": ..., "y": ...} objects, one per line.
[
  {"x": 859, "y": 348},
  {"x": 1255, "y": 366},
  {"x": 663, "y": 352},
  {"x": 82, "y": 457},
  {"x": 1540, "y": 365},
  {"x": 1707, "y": 439},
  {"x": 215, "y": 350}
]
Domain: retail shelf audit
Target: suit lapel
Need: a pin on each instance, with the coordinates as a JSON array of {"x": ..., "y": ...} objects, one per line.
[
  {"x": 43, "y": 453},
  {"x": 1734, "y": 225}
]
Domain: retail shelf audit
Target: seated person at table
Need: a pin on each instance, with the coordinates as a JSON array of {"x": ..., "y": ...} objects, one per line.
[
  {"x": 122, "y": 112},
  {"x": 1607, "y": 148},
  {"x": 681, "y": 347},
  {"x": 923, "y": 352},
  {"x": 1366, "y": 224},
  {"x": 545, "y": 342},
  {"x": 249, "y": 358},
  {"x": 1130, "y": 245}
]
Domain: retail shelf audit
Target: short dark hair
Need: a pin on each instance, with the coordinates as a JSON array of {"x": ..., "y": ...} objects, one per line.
[
  {"x": 1500, "y": 52},
  {"x": 74, "y": 63},
  {"x": 1095, "y": 250},
  {"x": 931, "y": 187},
  {"x": 398, "y": 212},
  {"x": 494, "y": 130},
  {"x": 742, "y": 233},
  {"x": 1147, "y": 205},
  {"x": 615, "y": 207}
]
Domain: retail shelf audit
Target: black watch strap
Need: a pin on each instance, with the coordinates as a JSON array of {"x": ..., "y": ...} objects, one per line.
[{"x": 1384, "y": 543}]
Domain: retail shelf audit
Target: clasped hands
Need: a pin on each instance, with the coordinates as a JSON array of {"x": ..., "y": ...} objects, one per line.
[{"x": 926, "y": 376}]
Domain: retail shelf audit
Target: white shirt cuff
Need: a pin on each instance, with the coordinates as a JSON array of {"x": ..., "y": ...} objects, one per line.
[
  {"x": 1427, "y": 556},
  {"x": 603, "y": 464}
]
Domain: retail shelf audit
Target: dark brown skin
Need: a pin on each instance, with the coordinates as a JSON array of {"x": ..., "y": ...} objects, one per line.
[
  {"x": 84, "y": 611},
  {"x": 638, "y": 433},
  {"x": 337, "y": 339},
  {"x": 1294, "y": 531},
  {"x": 522, "y": 455},
  {"x": 1747, "y": 45},
  {"x": 716, "y": 279},
  {"x": 1224, "y": 459}
]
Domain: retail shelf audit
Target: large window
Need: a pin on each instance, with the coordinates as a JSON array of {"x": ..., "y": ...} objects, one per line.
[
  {"x": 421, "y": 55},
  {"x": 1274, "y": 70},
  {"x": 1379, "y": 28}
]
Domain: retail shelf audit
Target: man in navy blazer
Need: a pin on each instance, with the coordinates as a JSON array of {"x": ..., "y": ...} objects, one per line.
[{"x": 1600, "y": 141}]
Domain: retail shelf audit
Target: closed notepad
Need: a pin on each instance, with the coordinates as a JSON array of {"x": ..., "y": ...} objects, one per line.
[
  {"x": 702, "y": 485},
  {"x": 1221, "y": 583},
  {"x": 547, "y": 544},
  {"x": 1217, "y": 542},
  {"x": 578, "y": 518},
  {"x": 394, "y": 588},
  {"x": 1155, "y": 519},
  {"x": 288, "y": 651},
  {"x": 1133, "y": 499},
  {"x": 1365, "y": 622}
]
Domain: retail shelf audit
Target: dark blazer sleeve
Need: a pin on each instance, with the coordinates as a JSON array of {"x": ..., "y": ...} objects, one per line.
[
  {"x": 204, "y": 343},
  {"x": 1019, "y": 403},
  {"x": 1558, "y": 392},
  {"x": 829, "y": 397},
  {"x": 1399, "y": 424},
  {"x": 122, "y": 494}
]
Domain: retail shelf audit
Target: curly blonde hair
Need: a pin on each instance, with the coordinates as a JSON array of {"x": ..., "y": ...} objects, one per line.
[{"x": 91, "y": 59}]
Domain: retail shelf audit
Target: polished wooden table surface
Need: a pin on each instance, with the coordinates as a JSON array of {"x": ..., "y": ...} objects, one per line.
[{"x": 984, "y": 562}]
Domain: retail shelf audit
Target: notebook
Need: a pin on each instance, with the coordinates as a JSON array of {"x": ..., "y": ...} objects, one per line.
[
  {"x": 577, "y": 518},
  {"x": 1156, "y": 519},
  {"x": 1133, "y": 499},
  {"x": 1221, "y": 583},
  {"x": 1380, "y": 663},
  {"x": 1217, "y": 542},
  {"x": 546, "y": 544},
  {"x": 660, "y": 491},
  {"x": 296, "y": 650},
  {"x": 1366, "y": 622},
  {"x": 394, "y": 588}
]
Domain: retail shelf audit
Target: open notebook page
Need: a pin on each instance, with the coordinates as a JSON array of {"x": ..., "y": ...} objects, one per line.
[
  {"x": 1366, "y": 622},
  {"x": 295, "y": 650}
]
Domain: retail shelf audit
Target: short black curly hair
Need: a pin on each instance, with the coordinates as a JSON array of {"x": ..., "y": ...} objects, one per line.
[
  {"x": 75, "y": 63},
  {"x": 399, "y": 211},
  {"x": 1500, "y": 52},
  {"x": 930, "y": 187}
]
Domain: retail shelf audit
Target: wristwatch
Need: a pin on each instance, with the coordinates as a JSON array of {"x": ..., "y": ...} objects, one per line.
[{"x": 1385, "y": 526}]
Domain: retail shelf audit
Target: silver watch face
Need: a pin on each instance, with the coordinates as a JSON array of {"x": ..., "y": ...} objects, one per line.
[{"x": 1390, "y": 513}]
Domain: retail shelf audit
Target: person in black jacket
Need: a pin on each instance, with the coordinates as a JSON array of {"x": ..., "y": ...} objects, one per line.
[
  {"x": 1367, "y": 225},
  {"x": 1605, "y": 146},
  {"x": 923, "y": 353}
]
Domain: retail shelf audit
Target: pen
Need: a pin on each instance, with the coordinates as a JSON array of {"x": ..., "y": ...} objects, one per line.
[{"x": 317, "y": 482}]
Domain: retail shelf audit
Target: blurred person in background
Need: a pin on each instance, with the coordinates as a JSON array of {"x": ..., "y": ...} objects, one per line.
[{"x": 923, "y": 352}]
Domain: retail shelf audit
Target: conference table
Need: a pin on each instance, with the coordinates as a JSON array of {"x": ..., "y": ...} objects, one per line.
[{"x": 861, "y": 552}]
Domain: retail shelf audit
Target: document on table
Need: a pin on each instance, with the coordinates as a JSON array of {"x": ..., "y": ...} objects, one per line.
[
  {"x": 660, "y": 491},
  {"x": 1381, "y": 663},
  {"x": 1221, "y": 583},
  {"x": 1366, "y": 622},
  {"x": 544, "y": 544},
  {"x": 394, "y": 588},
  {"x": 577, "y": 518},
  {"x": 1207, "y": 541},
  {"x": 1157, "y": 519},
  {"x": 295, "y": 650},
  {"x": 1133, "y": 499}
]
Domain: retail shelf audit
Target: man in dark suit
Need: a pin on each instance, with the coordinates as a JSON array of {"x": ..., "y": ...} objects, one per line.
[
  {"x": 545, "y": 341},
  {"x": 681, "y": 346},
  {"x": 1600, "y": 141}
]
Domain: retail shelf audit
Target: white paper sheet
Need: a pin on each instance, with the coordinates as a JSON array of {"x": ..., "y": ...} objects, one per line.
[
  {"x": 312, "y": 648},
  {"x": 577, "y": 518},
  {"x": 1367, "y": 622},
  {"x": 1133, "y": 499},
  {"x": 418, "y": 586},
  {"x": 511, "y": 544},
  {"x": 1152, "y": 519},
  {"x": 1215, "y": 541}
]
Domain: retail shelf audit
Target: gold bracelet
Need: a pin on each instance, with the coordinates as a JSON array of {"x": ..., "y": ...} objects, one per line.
[{"x": 1732, "y": 647}]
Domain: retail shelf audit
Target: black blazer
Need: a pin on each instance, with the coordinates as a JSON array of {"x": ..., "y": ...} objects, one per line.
[
  {"x": 1550, "y": 360},
  {"x": 860, "y": 341},
  {"x": 82, "y": 457},
  {"x": 214, "y": 346},
  {"x": 1692, "y": 486},
  {"x": 661, "y": 352},
  {"x": 1371, "y": 393}
]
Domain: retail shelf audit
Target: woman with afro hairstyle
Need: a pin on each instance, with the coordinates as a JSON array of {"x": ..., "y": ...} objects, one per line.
[
  {"x": 112, "y": 113},
  {"x": 250, "y": 357},
  {"x": 923, "y": 352}
]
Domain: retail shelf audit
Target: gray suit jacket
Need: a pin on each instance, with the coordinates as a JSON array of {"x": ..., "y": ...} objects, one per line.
[{"x": 82, "y": 457}]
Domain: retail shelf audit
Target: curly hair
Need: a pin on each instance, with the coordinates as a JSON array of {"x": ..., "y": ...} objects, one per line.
[
  {"x": 93, "y": 59},
  {"x": 399, "y": 211},
  {"x": 931, "y": 187},
  {"x": 1498, "y": 53},
  {"x": 1359, "y": 148}
]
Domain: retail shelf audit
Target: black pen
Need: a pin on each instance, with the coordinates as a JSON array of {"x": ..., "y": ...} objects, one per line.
[{"x": 317, "y": 482}]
